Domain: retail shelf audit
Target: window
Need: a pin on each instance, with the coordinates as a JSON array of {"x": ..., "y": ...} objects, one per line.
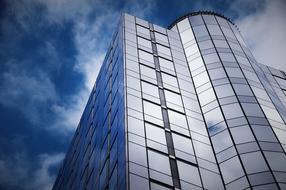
[
  {"x": 155, "y": 186},
  {"x": 164, "y": 51},
  {"x": 201, "y": 79},
  {"x": 159, "y": 165},
  {"x": 152, "y": 109},
  {"x": 142, "y": 31},
  {"x": 228, "y": 57},
  {"x": 170, "y": 82},
  {"x": 242, "y": 89},
  {"x": 173, "y": 100},
  {"x": 204, "y": 151},
  {"x": 206, "y": 44},
  {"x": 183, "y": 147},
  {"x": 220, "y": 44},
  {"x": 254, "y": 162},
  {"x": 177, "y": 119},
  {"x": 275, "y": 159},
  {"x": 211, "y": 58},
  {"x": 242, "y": 134},
  {"x": 207, "y": 97},
  {"x": 252, "y": 110},
  {"x": 148, "y": 74},
  {"x": 200, "y": 31},
  {"x": 161, "y": 39},
  {"x": 184, "y": 172},
  {"x": 166, "y": 66},
  {"x": 187, "y": 36},
  {"x": 155, "y": 133},
  {"x": 138, "y": 183},
  {"x": 232, "y": 111},
  {"x": 137, "y": 154},
  {"x": 150, "y": 92},
  {"x": 217, "y": 73},
  {"x": 146, "y": 58},
  {"x": 213, "y": 117},
  {"x": 224, "y": 91},
  {"x": 135, "y": 126},
  {"x": 196, "y": 20},
  {"x": 209, "y": 19},
  {"x": 145, "y": 43},
  {"x": 221, "y": 141},
  {"x": 214, "y": 30},
  {"x": 184, "y": 25},
  {"x": 231, "y": 169}
]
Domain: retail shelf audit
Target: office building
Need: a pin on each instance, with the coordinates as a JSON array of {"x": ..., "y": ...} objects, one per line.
[{"x": 186, "y": 107}]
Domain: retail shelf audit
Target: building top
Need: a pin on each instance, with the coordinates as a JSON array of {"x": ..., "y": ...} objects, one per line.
[{"x": 198, "y": 13}]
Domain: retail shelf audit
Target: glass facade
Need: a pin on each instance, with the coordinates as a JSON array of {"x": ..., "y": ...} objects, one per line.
[{"x": 186, "y": 107}]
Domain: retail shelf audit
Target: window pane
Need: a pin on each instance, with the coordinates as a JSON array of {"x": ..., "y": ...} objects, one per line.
[
  {"x": 231, "y": 169},
  {"x": 166, "y": 65},
  {"x": 146, "y": 58},
  {"x": 177, "y": 119},
  {"x": 221, "y": 141},
  {"x": 232, "y": 111},
  {"x": 185, "y": 170},
  {"x": 143, "y": 31},
  {"x": 254, "y": 162},
  {"x": 152, "y": 109},
  {"x": 183, "y": 144},
  {"x": 155, "y": 133},
  {"x": 242, "y": 134},
  {"x": 164, "y": 51}
]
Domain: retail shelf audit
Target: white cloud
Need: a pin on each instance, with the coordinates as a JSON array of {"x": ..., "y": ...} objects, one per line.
[
  {"x": 17, "y": 171},
  {"x": 26, "y": 90},
  {"x": 264, "y": 31}
]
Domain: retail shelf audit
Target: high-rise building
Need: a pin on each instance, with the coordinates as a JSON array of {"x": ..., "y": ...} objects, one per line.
[{"x": 186, "y": 107}]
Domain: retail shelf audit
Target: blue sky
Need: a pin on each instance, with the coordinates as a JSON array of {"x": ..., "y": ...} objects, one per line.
[{"x": 50, "y": 54}]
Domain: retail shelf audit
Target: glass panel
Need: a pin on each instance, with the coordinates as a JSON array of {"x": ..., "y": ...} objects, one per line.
[
  {"x": 164, "y": 51},
  {"x": 182, "y": 143},
  {"x": 221, "y": 141},
  {"x": 275, "y": 159},
  {"x": 161, "y": 38},
  {"x": 217, "y": 73},
  {"x": 173, "y": 98},
  {"x": 200, "y": 31},
  {"x": 252, "y": 110},
  {"x": 254, "y": 162},
  {"x": 138, "y": 183},
  {"x": 224, "y": 91},
  {"x": 211, "y": 180},
  {"x": 146, "y": 58},
  {"x": 187, "y": 36},
  {"x": 137, "y": 154},
  {"x": 155, "y": 133},
  {"x": 136, "y": 126},
  {"x": 159, "y": 162},
  {"x": 155, "y": 186},
  {"x": 232, "y": 111},
  {"x": 148, "y": 74},
  {"x": 242, "y": 134},
  {"x": 144, "y": 42},
  {"x": 143, "y": 31},
  {"x": 184, "y": 172},
  {"x": 231, "y": 169},
  {"x": 201, "y": 79},
  {"x": 214, "y": 30},
  {"x": 166, "y": 65},
  {"x": 152, "y": 109},
  {"x": 183, "y": 25},
  {"x": 177, "y": 119},
  {"x": 242, "y": 89}
]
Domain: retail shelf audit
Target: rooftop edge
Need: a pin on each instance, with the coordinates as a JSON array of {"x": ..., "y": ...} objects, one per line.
[{"x": 198, "y": 13}]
